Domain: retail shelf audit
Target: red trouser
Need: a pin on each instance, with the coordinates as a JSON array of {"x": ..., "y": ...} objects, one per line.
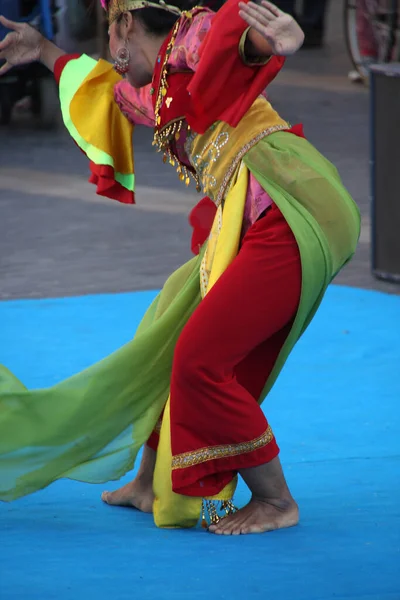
[{"x": 224, "y": 356}]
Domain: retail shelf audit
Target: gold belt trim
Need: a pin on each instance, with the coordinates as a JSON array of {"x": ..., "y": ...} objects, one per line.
[
  {"x": 233, "y": 166},
  {"x": 196, "y": 457}
]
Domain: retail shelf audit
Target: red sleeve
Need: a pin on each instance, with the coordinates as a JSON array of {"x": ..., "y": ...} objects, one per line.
[
  {"x": 231, "y": 85},
  {"x": 61, "y": 63}
]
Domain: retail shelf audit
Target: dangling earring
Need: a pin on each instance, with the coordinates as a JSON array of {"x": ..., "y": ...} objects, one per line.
[{"x": 121, "y": 63}]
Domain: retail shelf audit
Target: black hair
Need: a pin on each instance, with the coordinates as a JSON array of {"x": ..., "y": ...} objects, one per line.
[
  {"x": 215, "y": 5},
  {"x": 157, "y": 21}
]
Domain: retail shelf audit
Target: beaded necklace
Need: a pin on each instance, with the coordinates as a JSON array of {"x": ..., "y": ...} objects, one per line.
[{"x": 163, "y": 137}]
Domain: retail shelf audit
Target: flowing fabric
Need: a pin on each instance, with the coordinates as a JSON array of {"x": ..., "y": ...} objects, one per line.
[
  {"x": 325, "y": 220},
  {"x": 91, "y": 426}
]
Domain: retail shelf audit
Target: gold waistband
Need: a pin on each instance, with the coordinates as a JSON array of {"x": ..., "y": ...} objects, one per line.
[{"x": 216, "y": 154}]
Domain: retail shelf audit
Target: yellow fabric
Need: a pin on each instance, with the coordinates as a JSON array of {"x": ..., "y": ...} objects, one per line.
[
  {"x": 74, "y": 73},
  {"x": 115, "y": 140},
  {"x": 217, "y": 153},
  {"x": 170, "y": 508}
]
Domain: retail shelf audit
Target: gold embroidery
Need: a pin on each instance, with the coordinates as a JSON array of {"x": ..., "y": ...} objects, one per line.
[
  {"x": 190, "y": 459},
  {"x": 215, "y": 154},
  {"x": 241, "y": 154},
  {"x": 165, "y": 137},
  {"x": 115, "y": 8},
  {"x": 204, "y": 162}
]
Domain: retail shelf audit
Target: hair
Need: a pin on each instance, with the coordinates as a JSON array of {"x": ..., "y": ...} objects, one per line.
[
  {"x": 215, "y": 5},
  {"x": 159, "y": 22}
]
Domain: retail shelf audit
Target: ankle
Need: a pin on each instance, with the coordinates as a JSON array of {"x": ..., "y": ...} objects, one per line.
[
  {"x": 144, "y": 479},
  {"x": 283, "y": 504},
  {"x": 267, "y": 481}
]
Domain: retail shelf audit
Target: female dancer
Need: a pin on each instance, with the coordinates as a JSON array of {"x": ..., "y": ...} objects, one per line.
[{"x": 210, "y": 347}]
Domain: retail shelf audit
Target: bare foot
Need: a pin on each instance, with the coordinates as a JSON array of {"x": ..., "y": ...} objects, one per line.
[
  {"x": 257, "y": 517},
  {"x": 139, "y": 492},
  {"x": 135, "y": 494},
  {"x": 271, "y": 506}
]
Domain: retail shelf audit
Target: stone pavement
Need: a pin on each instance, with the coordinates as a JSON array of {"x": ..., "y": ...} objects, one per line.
[{"x": 57, "y": 238}]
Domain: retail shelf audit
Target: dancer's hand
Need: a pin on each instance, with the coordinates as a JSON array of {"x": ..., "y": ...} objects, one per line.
[
  {"x": 21, "y": 46},
  {"x": 283, "y": 34}
]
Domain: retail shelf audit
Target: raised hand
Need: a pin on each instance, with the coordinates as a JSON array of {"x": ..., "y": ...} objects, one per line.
[
  {"x": 21, "y": 46},
  {"x": 281, "y": 31}
]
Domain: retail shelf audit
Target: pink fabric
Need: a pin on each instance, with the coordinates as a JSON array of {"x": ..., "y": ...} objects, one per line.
[
  {"x": 257, "y": 201},
  {"x": 135, "y": 103},
  {"x": 185, "y": 53},
  {"x": 137, "y": 106}
]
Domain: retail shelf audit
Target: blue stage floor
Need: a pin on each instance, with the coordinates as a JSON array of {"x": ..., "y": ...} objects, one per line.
[{"x": 335, "y": 412}]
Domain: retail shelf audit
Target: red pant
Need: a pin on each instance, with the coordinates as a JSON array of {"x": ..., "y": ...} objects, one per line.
[{"x": 224, "y": 357}]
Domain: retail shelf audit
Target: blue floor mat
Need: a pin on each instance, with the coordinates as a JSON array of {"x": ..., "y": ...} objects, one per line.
[{"x": 335, "y": 412}]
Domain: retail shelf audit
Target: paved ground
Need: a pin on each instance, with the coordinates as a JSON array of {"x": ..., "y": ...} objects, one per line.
[{"x": 58, "y": 239}]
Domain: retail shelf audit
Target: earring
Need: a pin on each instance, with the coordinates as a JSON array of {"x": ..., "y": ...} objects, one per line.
[{"x": 121, "y": 64}]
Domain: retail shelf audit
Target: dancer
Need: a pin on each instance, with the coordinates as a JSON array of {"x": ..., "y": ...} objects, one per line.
[{"x": 210, "y": 347}]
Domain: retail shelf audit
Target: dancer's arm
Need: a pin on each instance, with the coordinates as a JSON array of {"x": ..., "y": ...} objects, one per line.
[
  {"x": 49, "y": 55},
  {"x": 271, "y": 31},
  {"x": 24, "y": 45}
]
